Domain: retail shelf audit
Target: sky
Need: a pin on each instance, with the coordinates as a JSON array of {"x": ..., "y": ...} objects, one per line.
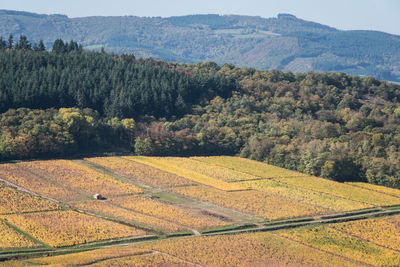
[{"x": 380, "y": 15}]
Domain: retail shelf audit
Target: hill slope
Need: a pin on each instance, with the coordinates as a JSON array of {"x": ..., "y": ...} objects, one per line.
[
  {"x": 213, "y": 211},
  {"x": 285, "y": 42}
]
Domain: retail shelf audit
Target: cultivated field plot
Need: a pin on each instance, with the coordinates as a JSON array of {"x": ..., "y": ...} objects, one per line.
[
  {"x": 188, "y": 174},
  {"x": 104, "y": 208},
  {"x": 167, "y": 212},
  {"x": 217, "y": 172},
  {"x": 11, "y": 239},
  {"x": 342, "y": 190},
  {"x": 323, "y": 200},
  {"x": 252, "y": 167},
  {"x": 382, "y": 231},
  {"x": 68, "y": 228},
  {"x": 251, "y": 202},
  {"x": 89, "y": 257},
  {"x": 378, "y": 188},
  {"x": 38, "y": 185},
  {"x": 140, "y": 172},
  {"x": 151, "y": 259},
  {"x": 360, "y": 240},
  {"x": 80, "y": 178},
  {"x": 258, "y": 249},
  {"x": 242, "y": 250},
  {"x": 14, "y": 201}
]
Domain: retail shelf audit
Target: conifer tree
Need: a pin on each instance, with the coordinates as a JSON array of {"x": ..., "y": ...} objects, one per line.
[{"x": 10, "y": 42}]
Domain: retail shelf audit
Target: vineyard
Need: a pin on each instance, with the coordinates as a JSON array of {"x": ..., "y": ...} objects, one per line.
[
  {"x": 230, "y": 211},
  {"x": 306, "y": 246}
]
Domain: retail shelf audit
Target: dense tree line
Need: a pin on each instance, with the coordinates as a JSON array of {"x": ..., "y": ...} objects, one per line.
[
  {"x": 115, "y": 86},
  {"x": 27, "y": 133},
  {"x": 327, "y": 124}
]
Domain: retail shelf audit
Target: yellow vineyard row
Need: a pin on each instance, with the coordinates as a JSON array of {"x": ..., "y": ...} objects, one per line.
[
  {"x": 68, "y": 228},
  {"x": 140, "y": 172},
  {"x": 251, "y": 202},
  {"x": 80, "y": 178},
  {"x": 162, "y": 164}
]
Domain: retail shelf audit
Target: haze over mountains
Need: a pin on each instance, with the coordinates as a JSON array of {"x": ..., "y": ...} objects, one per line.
[{"x": 284, "y": 42}]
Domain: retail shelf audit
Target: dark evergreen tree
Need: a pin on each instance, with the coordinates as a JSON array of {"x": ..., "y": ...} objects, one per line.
[
  {"x": 39, "y": 47},
  {"x": 59, "y": 46},
  {"x": 23, "y": 43},
  {"x": 10, "y": 42},
  {"x": 3, "y": 44}
]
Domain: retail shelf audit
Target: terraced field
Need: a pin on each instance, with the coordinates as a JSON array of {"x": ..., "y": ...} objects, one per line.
[
  {"x": 230, "y": 211},
  {"x": 14, "y": 201},
  {"x": 305, "y": 246},
  {"x": 12, "y": 239},
  {"x": 79, "y": 178},
  {"x": 360, "y": 240},
  {"x": 252, "y": 202},
  {"x": 197, "y": 177}
]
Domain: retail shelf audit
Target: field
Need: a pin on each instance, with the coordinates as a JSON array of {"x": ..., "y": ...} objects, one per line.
[
  {"x": 249, "y": 166},
  {"x": 251, "y": 202},
  {"x": 258, "y": 249},
  {"x": 14, "y": 201},
  {"x": 11, "y": 239},
  {"x": 378, "y": 188},
  {"x": 306, "y": 246},
  {"x": 346, "y": 191},
  {"x": 36, "y": 184},
  {"x": 80, "y": 178},
  {"x": 140, "y": 172},
  {"x": 166, "y": 212},
  {"x": 383, "y": 231},
  {"x": 68, "y": 228},
  {"x": 88, "y": 257},
  {"x": 318, "y": 199},
  {"x": 187, "y": 173},
  {"x": 151, "y": 259},
  {"x": 224, "y": 174},
  {"x": 208, "y": 211},
  {"x": 126, "y": 215},
  {"x": 373, "y": 241}
]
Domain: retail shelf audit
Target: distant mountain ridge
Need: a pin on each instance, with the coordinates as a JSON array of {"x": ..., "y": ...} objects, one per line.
[{"x": 285, "y": 42}]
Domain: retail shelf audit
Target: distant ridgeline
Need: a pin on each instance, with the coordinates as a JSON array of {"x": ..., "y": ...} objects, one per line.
[
  {"x": 68, "y": 101},
  {"x": 284, "y": 42}
]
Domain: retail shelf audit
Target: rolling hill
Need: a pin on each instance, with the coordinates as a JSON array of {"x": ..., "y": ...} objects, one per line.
[{"x": 285, "y": 42}]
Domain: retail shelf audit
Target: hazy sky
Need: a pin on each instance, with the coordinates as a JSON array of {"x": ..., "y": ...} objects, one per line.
[{"x": 382, "y": 15}]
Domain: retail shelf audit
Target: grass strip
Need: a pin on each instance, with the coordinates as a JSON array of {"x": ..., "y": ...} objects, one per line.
[
  {"x": 28, "y": 255},
  {"x": 178, "y": 234},
  {"x": 392, "y": 208},
  {"x": 119, "y": 241},
  {"x": 22, "y": 250},
  {"x": 227, "y": 228},
  {"x": 351, "y": 213},
  {"x": 361, "y": 217},
  {"x": 296, "y": 220}
]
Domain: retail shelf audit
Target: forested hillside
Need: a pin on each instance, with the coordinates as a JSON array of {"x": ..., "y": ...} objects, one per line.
[
  {"x": 284, "y": 42},
  {"x": 326, "y": 124}
]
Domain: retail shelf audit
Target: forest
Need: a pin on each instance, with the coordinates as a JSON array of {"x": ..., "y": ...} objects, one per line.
[{"x": 67, "y": 100}]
